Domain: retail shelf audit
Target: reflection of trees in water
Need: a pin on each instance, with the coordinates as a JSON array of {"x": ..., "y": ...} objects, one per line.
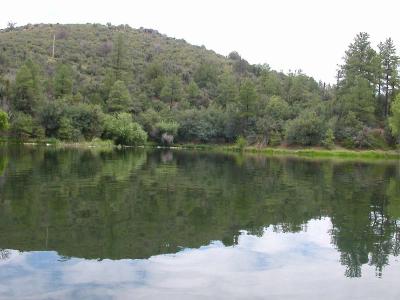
[
  {"x": 132, "y": 204},
  {"x": 365, "y": 231}
]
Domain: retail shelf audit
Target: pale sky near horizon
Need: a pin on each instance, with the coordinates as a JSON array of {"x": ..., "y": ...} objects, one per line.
[{"x": 310, "y": 35}]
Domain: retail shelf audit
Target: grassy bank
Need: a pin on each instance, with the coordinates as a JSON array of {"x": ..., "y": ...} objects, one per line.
[
  {"x": 302, "y": 152},
  {"x": 230, "y": 148}
]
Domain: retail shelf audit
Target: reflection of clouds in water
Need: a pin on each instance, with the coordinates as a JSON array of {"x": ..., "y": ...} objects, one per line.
[{"x": 276, "y": 266}]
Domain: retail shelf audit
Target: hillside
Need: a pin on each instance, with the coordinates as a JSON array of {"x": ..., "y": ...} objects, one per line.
[
  {"x": 130, "y": 85},
  {"x": 88, "y": 49}
]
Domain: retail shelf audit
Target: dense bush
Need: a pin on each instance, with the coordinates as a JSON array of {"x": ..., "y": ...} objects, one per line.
[
  {"x": 3, "y": 120},
  {"x": 123, "y": 131},
  {"x": 87, "y": 118},
  {"x": 23, "y": 126},
  {"x": 306, "y": 130}
]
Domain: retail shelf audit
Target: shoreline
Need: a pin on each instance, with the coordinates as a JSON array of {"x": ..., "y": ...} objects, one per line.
[{"x": 311, "y": 152}]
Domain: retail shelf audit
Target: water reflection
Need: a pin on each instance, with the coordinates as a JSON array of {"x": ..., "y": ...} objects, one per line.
[{"x": 267, "y": 222}]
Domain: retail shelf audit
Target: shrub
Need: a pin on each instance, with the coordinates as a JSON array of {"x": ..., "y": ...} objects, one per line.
[
  {"x": 4, "y": 125},
  {"x": 167, "y": 130},
  {"x": 23, "y": 126},
  {"x": 67, "y": 132},
  {"x": 123, "y": 131},
  {"x": 88, "y": 119},
  {"x": 306, "y": 130},
  {"x": 241, "y": 143},
  {"x": 329, "y": 140},
  {"x": 370, "y": 138}
]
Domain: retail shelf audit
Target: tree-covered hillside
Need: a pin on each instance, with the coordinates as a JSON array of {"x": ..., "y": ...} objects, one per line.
[{"x": 75, "y": 82}]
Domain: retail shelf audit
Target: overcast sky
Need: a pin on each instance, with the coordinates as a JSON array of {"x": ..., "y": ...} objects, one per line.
[{"x": 311, "y": 35}]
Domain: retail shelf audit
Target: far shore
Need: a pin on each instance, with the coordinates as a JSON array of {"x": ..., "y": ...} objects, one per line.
[{"x": 311, "y": 152}]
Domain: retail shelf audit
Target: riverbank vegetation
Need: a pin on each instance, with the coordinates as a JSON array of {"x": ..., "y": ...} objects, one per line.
[{"x": 76, "y": 83}]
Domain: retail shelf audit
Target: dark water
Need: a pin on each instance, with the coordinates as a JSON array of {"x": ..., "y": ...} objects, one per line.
[{"x": 132, "y": 224}]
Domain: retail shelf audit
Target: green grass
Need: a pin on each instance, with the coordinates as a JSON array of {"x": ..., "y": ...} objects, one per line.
[{"x": 303, "y": 152}]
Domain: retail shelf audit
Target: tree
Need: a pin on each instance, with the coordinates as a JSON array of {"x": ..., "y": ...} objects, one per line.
[
  {"x": 27, "y": 89},
  {"x": 360, "y": 59},
  {"x": 247, "y": 98},
  {"x": 272, "y": 115},
  {"x": 394, "y": 119},
  {"x": 329, "y": 140},
  {"x": 172, "y": 91},
  {"x": 389, "y": 67},
  {"x": 23, "y": 126},
  {"x": 193, "y": 93},
  {"x": 87, "y": 119},
  {"x": 63, "y": 81},
  {"x": 50, "y": 115},
  {"x": 119, "y": 98},
  {"x": 119, "y": 56},
  {"x": 11, "y": 26},
  {"x": 206, "y": 75},
  {"x": 358, "y": 81},
  {"x": 227, "y": 91},
  {"x": 3, "y": 120}
]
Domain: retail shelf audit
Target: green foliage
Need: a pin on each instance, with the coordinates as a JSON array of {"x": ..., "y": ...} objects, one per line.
[
  {"x": 87, "y": 119},
  {"x": 119, "y": 99},
  {"x": 227, "y": 90},
  {"x": 306, "y": 130},
  {"x": 50, "y": 114},
  {"x": 63, "y": 81},
  {"x": 167, "y": 127},
  {"x": 247, "y": 97},
  {"x": 370, "y": 138},
  {"x": 172, "y": 91},
  {"x": 194, "y": 94},
  {"x": 4, "y": 125},
  {"x": 241, "y": 143},
  {"x": 394, "y": 120},
  {"x": 124, "y": 131},
  {"x": 27, "y": 89},
  {"x": 206, "y": 75},
  {"x": 24, "y": 127},
  {"x": 119, "y": 56},
  {"x": 166, "y": 131},
  {"x": 212, "y": 98},
  {"x": 329, "y": 140},
  {"x": 67, "y": 132},
  {"x": 202, "y": 125},
  {"x": 272, "y": 115}
]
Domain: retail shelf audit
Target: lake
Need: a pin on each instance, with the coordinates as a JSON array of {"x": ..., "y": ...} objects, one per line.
[{"x": 161, "y": 224}]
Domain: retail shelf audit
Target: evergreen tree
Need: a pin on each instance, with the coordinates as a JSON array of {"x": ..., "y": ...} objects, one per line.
[
  {"x": 172, "y": 91},
  {"x": 356, "y": 88},
  {"x": 63, "y": 81},
  {"x": 227, "y": 91},
  {"x": 389, "y": 67},
  {"x": 394, "y": 119},
  {"x": 119, "y": 99},
  {"x": 247, "y": 97},
  {"x": 27, "y": 91},
  {"x": 119, "y": 56}
]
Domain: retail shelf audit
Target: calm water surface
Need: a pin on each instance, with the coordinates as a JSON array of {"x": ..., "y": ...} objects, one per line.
[{"x": 129, "y": 224}]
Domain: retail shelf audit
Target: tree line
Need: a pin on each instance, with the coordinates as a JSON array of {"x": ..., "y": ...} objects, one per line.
[{"x": 135, "y": 96}]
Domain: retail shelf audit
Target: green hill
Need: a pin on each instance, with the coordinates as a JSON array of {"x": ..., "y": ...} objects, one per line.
[{"x": 104, "y": 81}]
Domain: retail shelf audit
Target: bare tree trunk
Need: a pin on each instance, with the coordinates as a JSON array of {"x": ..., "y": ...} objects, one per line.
[{"x": 387, "y": 95}]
